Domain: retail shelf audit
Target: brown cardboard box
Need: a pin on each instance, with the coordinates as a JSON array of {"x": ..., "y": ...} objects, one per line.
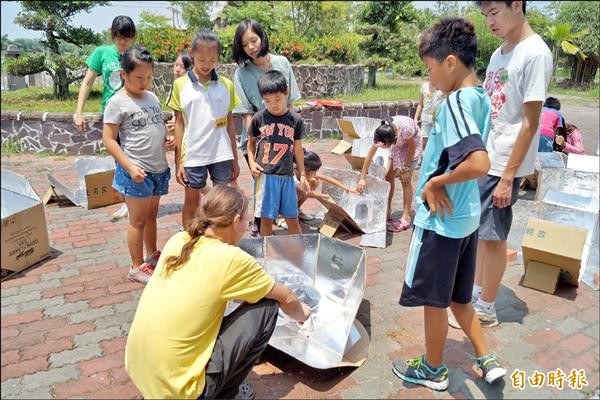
[
  {"x": 335, "y": 219},
  {"x": 100, "y": 191},
  {"x": 552, "y": 245},
  {"x": 24, "y": 234},
  {"x": 344, "y": 146}
]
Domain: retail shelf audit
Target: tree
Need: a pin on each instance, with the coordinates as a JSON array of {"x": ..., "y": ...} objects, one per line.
[
  {"x": 562, "y": 37},
  {"x": 53, "y": 19},
  {"x": 151, "y": 20},
  {"x": 195, "y": 14},
  {"x": 381, "y": 21},
  {"x": 583, "y": 15}
]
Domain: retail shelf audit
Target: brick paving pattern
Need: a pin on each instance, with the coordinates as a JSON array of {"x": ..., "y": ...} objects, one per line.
[{"x": 65, "y": 321}]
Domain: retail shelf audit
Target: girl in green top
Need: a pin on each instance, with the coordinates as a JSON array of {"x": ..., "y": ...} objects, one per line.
[{"x": 105, "y": 61}]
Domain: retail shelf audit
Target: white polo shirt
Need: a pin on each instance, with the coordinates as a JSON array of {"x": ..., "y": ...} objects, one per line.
[{"x": 205, "y": 109}]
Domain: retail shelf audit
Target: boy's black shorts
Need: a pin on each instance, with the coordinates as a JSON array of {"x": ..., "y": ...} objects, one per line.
[{"x": 439, "y": 270}]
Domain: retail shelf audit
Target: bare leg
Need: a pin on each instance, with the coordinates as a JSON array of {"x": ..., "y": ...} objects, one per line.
[
  {"x": 135, "y": 231},
  {"x": 191, "y": 203},
  {"x": 150, "y": 226},
  {"x": 407, "y": 198},
  {"x": 469, "y": 323},
  {"x": 293, "y": 226},
  {"x": 390, "y": 176},
  {"x": 480, "y": 263},
  {"x": 266, "y": 227},
  {"x": 495, "y": 265},
  {"x": 436, "y": 330}
]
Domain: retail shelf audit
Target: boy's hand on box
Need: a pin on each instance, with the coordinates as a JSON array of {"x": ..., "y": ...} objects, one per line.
[
  {"x": 351, "y": 190},
  {"x": 437, "y": 199},
  {"x": 360, "y": 187}
]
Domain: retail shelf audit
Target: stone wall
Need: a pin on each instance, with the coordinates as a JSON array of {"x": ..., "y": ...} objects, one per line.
[
  {"x": 314, "y": 81},
  {"x": 56, "y": 133}
]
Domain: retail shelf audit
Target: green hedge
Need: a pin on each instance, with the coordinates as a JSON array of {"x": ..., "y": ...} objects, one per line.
[{"x": 165, "y": 43}]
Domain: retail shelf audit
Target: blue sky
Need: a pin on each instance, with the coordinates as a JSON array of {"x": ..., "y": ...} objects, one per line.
[{"x": 100, "y": 18}]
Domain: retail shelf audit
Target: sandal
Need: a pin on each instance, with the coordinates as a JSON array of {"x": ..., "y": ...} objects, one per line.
[{"x": 398, "y": 226}]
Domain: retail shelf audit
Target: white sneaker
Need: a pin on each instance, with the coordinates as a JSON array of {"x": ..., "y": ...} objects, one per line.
[
  {"x": 122, "y": 212},
  {"x": 280, "y": 222}
]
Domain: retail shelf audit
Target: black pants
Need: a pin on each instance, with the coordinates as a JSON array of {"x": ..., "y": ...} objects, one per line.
[{"x": 243, "y": 337}]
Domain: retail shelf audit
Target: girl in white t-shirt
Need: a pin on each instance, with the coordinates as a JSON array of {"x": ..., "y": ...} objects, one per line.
[{"x": 429, "y": 101}]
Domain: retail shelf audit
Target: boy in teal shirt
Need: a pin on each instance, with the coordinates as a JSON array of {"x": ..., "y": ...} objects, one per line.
[{"x": 440, "y": 268}]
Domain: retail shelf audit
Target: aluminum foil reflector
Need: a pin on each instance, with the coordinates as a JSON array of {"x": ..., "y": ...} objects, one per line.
[{"x": 326, "y": 274}]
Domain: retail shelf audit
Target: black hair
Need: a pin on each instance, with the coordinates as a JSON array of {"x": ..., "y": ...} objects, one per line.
[
  {"x": 552, "y": 102},
  {"x": 312, "y": 161},
  {"x": 271, "y": 82},
  {"x": 134, "y": 56},
  {"x": 186, "y": 59},
  {"x": 124, "y": 26},
  {"x": 385, "y": 133},
  {"x": 450, "y": 36},
  {"x": 239, "y": 55},
  {"x": 206, "y": 35},
  {"x": 507, "y": 2}
]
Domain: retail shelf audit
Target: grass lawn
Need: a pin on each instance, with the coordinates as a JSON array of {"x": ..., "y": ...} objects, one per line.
[
  {"x": 40, "y": 99},
  {"x": 387, "y": 89}
]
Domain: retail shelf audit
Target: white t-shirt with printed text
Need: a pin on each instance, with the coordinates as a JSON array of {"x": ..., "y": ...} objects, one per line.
[{"x": 512, "y": 79}]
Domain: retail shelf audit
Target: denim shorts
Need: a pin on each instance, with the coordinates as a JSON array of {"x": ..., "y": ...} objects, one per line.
[
  {"x": 154, "y": 184},
  {"x": 220, "y": 174}
]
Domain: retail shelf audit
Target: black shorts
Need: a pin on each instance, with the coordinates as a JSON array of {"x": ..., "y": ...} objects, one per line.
[
  {"x": 494, "y": 223},
  {"x": 439, "y": 270}
]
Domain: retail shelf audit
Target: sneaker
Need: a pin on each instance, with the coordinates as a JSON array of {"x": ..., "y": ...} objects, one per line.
[
  {"x": 305, "y": 217},
  {"x": 486, "y": 320},
  {"x": 122, "y": 212},
  {"x": 141, "y": 274},
  {"x": 152, "y": 259},
  {"x": 490, "y": 367},
  {"x": 280, "y": 222},
  {"x": 417, "y": 371},
  {"x": 245, "y": 391}
]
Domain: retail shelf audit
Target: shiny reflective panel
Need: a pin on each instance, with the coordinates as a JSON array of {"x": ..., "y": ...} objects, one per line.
[{"x": 329, "y": 276}]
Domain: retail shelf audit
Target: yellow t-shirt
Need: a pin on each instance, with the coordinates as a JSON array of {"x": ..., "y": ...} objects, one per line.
[{"x": 178, "y": 318}]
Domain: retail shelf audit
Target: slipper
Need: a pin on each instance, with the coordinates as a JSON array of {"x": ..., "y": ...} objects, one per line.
[
  {"x": 398, "y": 226},
  {"x": 305, "y": 217}
]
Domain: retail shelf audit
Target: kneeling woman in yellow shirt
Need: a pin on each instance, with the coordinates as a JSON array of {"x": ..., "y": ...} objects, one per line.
[{"x": 179, "y": 344}]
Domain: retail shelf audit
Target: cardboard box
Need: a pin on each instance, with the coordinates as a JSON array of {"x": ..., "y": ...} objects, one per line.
[
  {"x": 337, "y": 218},
  {"x": 99, "y": 190},
  {"x": 552, "y": 245},
  {"x": 24, "y": 233},
  {"x": 355, "y": 146},
  {"x": 89, "y": 184}
]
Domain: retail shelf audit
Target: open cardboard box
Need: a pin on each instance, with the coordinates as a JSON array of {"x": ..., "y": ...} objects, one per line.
[
  {"x": 551, "y": 252},
  {"x": 24, "y": 231},
  {"x": 89, "y": 184},
  {"x": 337, "y": 219},
  {"x": 355, "y": 145}
]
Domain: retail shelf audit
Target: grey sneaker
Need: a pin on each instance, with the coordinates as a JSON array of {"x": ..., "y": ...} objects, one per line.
[
  {"x": 486, "y": 320},
  {"x": 245, "y": 391},
  {"x": 417, "y": 371},
  {"x": 489, "y": 365}
]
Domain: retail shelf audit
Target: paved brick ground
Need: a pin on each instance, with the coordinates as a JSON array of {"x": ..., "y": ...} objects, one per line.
[{"x": 64, "y": 322}]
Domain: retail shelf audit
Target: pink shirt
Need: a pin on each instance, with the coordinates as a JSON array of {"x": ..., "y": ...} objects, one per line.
[
  {"x": 550, "y": 120},
  {"x": 407, "y": 128}
]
